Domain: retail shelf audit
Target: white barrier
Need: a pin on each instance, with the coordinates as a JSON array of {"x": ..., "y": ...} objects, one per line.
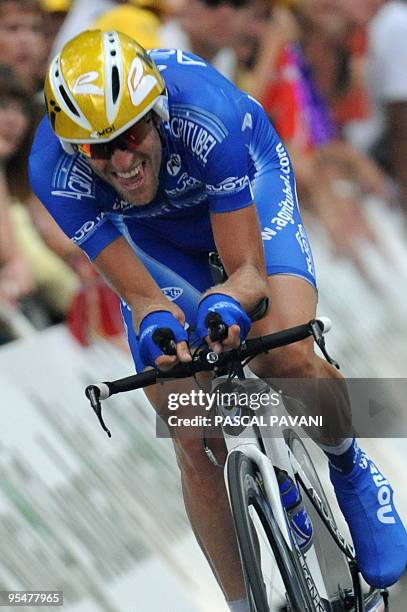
[{"x": 101, "y": 519}]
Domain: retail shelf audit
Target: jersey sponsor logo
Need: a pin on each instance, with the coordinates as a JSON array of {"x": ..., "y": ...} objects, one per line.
[
  {"x": 232, "y": 184},
  {"x": 285, "y": 165},
  {"x": 247, "y": 122},
  {"x": 89, "y": 226},
  {"x": 287, "y": 205},
  {"x": 74, "y": 179},
  {"x": 172, "y": 293},
  {"x": 302, "y": 240},
  {"x": 122, "y": 205},
  {"x": 184, "y": 183},
  {"x": 198, "y": 129},
  {"x": 162, "y": 55},
  {"x": 174, "y": 164},
  {"x": 83, "y": 85},
  {"x": 195, "y": 137}
]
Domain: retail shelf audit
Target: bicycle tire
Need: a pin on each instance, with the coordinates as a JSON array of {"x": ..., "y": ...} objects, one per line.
[
  {"x": 333, "y": 562},
  {"x": 245, "y": 490}
]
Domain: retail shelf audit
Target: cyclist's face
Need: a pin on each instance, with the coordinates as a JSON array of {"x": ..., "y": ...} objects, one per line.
[{"x": 134, "y": 171}]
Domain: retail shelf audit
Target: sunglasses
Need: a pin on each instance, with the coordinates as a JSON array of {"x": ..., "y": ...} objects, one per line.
[{"x": 129, "y": 140}]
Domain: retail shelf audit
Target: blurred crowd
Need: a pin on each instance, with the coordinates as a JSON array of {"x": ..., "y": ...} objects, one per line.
[{"x": 330, "y": 74}]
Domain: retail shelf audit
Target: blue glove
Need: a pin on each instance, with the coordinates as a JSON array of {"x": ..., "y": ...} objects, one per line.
[
  {"x": 227, "y": 308},
  {"x": 159, "y": 319}
]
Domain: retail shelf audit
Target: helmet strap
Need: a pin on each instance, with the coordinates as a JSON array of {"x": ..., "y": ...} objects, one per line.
[{"x": 68, "y": 147}]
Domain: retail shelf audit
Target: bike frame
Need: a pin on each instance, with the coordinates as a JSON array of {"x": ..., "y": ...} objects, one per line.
[
  {"x": 277, "y": 453},
  {"x": 265, "y": 452}
]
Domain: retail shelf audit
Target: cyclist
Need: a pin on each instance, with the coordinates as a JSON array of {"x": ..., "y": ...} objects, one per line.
[{"x": 150, "y": 161}]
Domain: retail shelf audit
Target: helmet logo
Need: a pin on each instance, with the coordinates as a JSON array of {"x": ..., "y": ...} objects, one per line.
[
  {"x": 108, "y": 130},
  {"x": 83, "y": 85},
  {"x": 139, "y": 84},
  {"x": 53, "y": 112}
]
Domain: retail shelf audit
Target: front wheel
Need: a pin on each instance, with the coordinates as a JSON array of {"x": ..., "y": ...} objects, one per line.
[
  {"x": 261, "y": 541},
  {"x": 332, "y": 561}
]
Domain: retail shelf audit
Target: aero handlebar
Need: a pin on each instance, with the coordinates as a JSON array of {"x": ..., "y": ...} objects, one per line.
[{"x": 207, "y": 360}]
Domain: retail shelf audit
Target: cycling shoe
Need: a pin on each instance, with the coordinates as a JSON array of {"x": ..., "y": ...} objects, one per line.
[{"x": 379, "y": 536}]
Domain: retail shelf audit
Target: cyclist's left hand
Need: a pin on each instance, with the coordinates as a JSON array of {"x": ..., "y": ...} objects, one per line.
[{"x": 231, "y": 313}]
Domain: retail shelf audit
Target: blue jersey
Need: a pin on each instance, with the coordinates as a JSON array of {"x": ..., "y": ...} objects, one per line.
[
  {"x": 220, "y": 154},
  {"x": 218, "y": 139}
]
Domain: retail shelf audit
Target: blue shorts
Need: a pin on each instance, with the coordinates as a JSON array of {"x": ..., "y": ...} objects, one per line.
[{"x": 183, "y": 275}]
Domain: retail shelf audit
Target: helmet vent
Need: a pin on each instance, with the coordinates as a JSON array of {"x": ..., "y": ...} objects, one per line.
[
  {"x": 115, "y": 84},
  {"x": 113, "y": 61},
  {"x": 68, "y": 101}
]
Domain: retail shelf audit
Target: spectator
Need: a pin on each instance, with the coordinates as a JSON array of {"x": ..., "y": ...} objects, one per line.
[
  {"x": 22, "y": 46},
  {"x": 332, "y": 177},
  {"x": 22, "y": 43},
  {"x": 386, "y": 132},
  {"x": 209, "y": 28},
  {"x": 80, "y": 17},
  {"x": 16, "y": 279},
  {"x": 52, "y": 281},
  {"x": 27, "y": 268},
  {"x": 55, "y": 12},
  {"x": 140, "y": 24}
]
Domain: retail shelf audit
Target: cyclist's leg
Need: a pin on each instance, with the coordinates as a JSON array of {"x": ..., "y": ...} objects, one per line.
[
  {"x": 204, "y": 493},
  {"x": 381, "y": 547},
  {"x": 203, "y": 484}
]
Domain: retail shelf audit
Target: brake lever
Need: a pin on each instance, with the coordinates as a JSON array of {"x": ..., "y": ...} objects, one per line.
[
  {"x": 93, "y": 394},
  {"x": 317, "y": 331},
  {"x": 164, "y": 339},
  {"x": 218, "y": 330}
]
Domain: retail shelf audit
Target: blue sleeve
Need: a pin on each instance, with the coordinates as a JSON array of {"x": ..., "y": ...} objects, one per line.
[
  {"x": 67, "y": 187},
  {"x": 207, "y": 120},
  {"x": 226, "y": 175}
]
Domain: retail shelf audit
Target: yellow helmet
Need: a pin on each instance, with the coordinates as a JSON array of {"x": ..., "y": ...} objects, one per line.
[{"x": 99, "y": 85}]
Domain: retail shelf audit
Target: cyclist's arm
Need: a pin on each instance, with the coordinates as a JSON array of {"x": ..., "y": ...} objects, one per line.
[
  {"x": 125, "y": 272},
  {"x": 238, "y": 241}
]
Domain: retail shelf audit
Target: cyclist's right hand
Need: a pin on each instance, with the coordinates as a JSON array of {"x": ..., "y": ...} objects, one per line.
[
  {"x": 163, "y": 340},
  {"x": 222, "y": 322}
]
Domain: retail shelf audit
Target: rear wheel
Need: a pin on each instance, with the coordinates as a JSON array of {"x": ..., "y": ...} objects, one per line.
[{"x": 261, "y": 542}]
